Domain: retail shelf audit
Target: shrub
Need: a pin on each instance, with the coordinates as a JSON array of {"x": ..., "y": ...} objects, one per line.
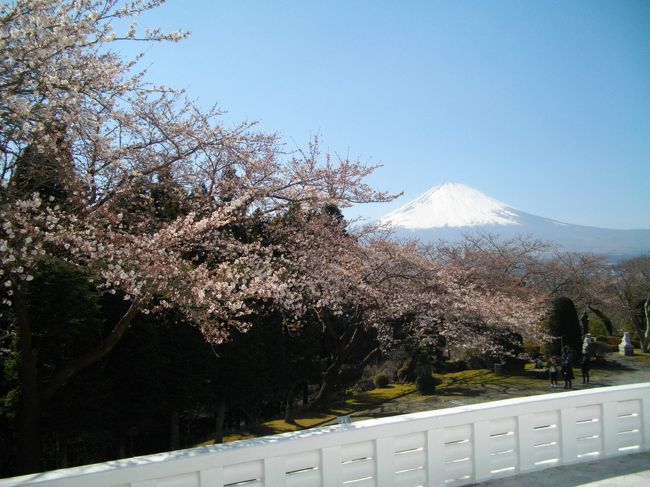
[
  {"x": 475, "y": 362},
  {"x": 425, "y": 383},
  {"x": 455, "y": 366},
  {"x": 613, "y": 340},
  {"x": 381, "y": 380},
  {"x": 532, "y": 351},
  {"x": 601, "y": 348},
  {"x": 406, "y": 373}
]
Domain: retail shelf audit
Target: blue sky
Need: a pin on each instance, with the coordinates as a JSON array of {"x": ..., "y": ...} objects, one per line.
[{"x": 542, "y": 105}]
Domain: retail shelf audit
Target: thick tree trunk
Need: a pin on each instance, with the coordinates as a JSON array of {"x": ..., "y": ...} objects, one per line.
[
  {"x": 219, "y": 422},
  {"x": 645, "y": 346},
  {"x": 104, "y": 348},
  {"x": 175, "y": 431},
  {"x": 35, "y": 396},
  {"x": 62, "y": 450},
  {"x": 329, "y": 380},
  {"x": 289, "y": 411},
  {"x": 28, "y": 447}
]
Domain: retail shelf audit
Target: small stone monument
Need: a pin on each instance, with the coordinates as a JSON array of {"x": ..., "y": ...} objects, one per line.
[{"x": 626, "y": 347}]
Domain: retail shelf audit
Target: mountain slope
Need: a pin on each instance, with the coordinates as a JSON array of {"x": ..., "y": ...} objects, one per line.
[
  {"x": 451, "y": 210},
  {"x": 451, "y": 205}
]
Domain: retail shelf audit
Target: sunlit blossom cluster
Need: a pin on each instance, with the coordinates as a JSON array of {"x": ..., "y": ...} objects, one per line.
[{"x": 71, "y": 100}]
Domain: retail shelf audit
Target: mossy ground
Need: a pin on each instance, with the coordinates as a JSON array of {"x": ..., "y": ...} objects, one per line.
[{"x": 467, "y": 386}]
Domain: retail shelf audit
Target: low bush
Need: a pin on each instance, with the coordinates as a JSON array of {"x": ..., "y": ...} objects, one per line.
[
  {"x": 425, "y": 384},
  {"x": 381, "y": 380},
  {"x": 455, "y": 366},
  {"x": 406, "y": 372},
  {"x": 475, "y": 362},
  {"x": 532, "y": 351},
  {"x": 613, "y": 340}
]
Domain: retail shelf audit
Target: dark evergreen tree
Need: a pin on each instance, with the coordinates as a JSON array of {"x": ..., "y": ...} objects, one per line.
[
  {"x": 565, "y": 326},
  {"x": 51, "y": 174}
]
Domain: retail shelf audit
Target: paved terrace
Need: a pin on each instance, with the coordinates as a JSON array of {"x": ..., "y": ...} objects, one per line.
[{"x": 626, "y": 471}]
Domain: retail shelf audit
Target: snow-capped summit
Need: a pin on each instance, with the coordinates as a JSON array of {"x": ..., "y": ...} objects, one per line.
[
  {"x": 451, "y": 205},
  {"x": 451, "y": 211}
]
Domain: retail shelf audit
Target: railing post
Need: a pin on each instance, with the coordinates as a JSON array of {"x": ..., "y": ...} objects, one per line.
[
  {"x": 568, "y": 435},
  {"x": 331, "y": 466},
  {"x": 435, "y": 457},
  {"x": 212, "y": 477},
  {"x": 645, "y": 422},
  {"x": 274, "y": 472},
  {"x": 610, "y": 429},
  {"x": 385, "y": 461},
  {"x": 525, "y": 442},
  {"x": 481, "y": 445}
]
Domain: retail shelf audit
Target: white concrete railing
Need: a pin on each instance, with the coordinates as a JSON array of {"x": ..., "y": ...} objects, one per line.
[{"x": 454, "y": 446}]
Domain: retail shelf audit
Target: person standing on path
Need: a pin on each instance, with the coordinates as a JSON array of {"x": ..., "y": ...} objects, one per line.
[
  {"x": 553, "y": 373},
  {"x": 567, "y": 370},
  {"x": 585, "y": 369}
]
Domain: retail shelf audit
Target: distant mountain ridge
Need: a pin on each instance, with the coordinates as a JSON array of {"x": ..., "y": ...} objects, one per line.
[{"x": 451, "y": 210}]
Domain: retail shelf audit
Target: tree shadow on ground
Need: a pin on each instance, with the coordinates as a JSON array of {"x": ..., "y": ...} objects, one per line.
[
  {"x": 460, "y": 391},
  {"x": 611, "y": 365}
]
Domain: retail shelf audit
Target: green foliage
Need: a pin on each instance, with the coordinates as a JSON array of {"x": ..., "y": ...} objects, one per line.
[
  {"x": 381, "y": 380},
  {"x": 597, "y": 326},
  {"x": 50, "y": 175},
  {"x": 425, "y": 383}
]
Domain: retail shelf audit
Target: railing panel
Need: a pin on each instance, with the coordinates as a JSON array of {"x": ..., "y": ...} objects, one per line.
[
  {"x": 550, "y": 452},
  {"x": 546, "y": 435},
  {"x": 625, "y": 408},
  {"x": 503, "y": 426},
  {"x": 250, "y": 472},
  {"x": 457, "y": 471},
  {"x": 629, "y": 439},
  {"x": 358, "y": 469},
  {"x": 503, "y": 442},
  {"x": 303, "y": 460},
  {"x": 304, "y": 478},
  {"x": 629, "y": 422},
  {"x": 185, "y": 480},
  {"x": 589, "y": 428},
  {"x": 355, "y": 451},
  {"x": 458, "y": 451},
  {"x": 458, "y": 433},
  {"x": 410, "y": 460},
  {"x": 410, "y": 478},
  {"x": 367, "y": 482},
  {"x": 546, "y": 419},
  {"x": 503, "y": 460},
  {"x": 410, "y": 442},
  {"x": 589, "y": 446}
]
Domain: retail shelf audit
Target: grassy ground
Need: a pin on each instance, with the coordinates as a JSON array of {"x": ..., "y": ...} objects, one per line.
[{"x": 455, "y": 388}]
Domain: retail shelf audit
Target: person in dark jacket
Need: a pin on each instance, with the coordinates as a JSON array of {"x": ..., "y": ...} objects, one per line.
[
  {"x": 567, "y": 370},
  {"x": 585, "y": 369}
]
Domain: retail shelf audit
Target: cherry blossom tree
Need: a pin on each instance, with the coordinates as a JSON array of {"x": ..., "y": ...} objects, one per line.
[
  {"x": 365, "y": 280},
  {"x": 491, "y": 290},
  {"x": 70, "y": 101},
  {"x": 629, "y": 288}
]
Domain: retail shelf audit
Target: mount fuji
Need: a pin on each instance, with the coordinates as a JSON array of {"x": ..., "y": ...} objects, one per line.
[{"x": 450, "y": 211}]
